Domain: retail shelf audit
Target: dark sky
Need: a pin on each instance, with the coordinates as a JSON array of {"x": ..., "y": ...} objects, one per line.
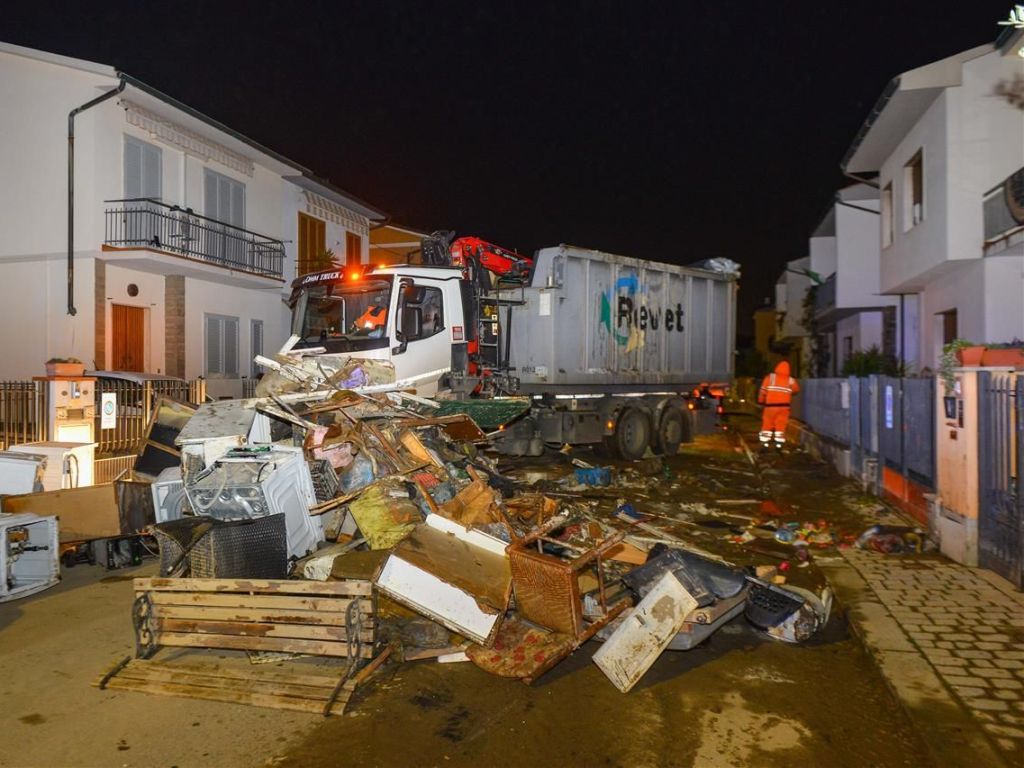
[{"x": 674, "y": 131}]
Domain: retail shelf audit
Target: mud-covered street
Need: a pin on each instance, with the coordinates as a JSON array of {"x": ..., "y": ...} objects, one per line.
[{"x": 738, "y": 699}]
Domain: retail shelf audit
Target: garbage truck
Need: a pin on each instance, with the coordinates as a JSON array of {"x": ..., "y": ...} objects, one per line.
[{"x": 573, "y": 346}]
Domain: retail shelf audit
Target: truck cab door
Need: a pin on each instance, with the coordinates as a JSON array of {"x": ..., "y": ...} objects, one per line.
[{"x": 421, "y": 332}]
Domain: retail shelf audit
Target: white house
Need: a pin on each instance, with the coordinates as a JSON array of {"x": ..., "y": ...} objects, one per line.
[
  {"x": 850, "y": 314},
  {"x": 946, "y": 142},
  {"x": 185, "y": 238},
  {"x": 791, "y": 335}
]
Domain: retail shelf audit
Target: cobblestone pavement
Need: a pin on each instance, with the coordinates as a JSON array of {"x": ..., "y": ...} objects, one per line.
[{"x": 968, "y": 625}]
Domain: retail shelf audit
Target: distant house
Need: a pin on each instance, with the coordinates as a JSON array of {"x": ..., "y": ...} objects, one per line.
[
  {"x": 394, "y": 244},
  {"x": 186, "y": 233},
  {"x": 946, "y": 142},
  {"x": 791, "y": 337},
  {"x": 850, "y": 314}
]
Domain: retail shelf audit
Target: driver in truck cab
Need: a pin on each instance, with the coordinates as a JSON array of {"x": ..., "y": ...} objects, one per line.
[{"x": 372, "y": 322}]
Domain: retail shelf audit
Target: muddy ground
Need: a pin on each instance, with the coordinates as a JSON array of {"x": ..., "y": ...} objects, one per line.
[{"x": 739, "y": 699}]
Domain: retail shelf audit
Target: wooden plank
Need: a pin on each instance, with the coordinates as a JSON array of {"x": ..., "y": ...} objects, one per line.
[
  {"x": 259, "y": 629},
  {"x": 265, "y": 602},
  {"x": 231, "y": 697},
  {"x": 239, "y": 643},
  {"x": 255, "y": 683},
  {"x": 246, "y": 671},
  {"x": 85, "y": 513},
  {"x": 275, "y": 616},
  {"x": 257, "y": 586}
]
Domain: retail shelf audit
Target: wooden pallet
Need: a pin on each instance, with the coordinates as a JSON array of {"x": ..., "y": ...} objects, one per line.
[
  {"x": 234, "y": 684},
  {"x": 303, "y": 617}
]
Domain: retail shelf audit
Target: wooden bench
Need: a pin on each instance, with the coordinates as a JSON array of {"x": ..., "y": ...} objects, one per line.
[{"x": 333, "y": 618}]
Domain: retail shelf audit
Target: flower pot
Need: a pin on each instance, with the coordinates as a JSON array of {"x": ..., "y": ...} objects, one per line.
[
  {"x": 970, "y": 356},
  {"x": 66, "y": 370},
  {"x": 1003, "y": 358}
]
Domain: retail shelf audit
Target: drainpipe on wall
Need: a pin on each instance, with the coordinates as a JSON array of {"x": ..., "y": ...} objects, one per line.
[{"x": 71, "y": 185}]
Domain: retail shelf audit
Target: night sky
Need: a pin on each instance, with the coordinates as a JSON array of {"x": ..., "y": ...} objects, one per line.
[{"x": 676, "y": 131}]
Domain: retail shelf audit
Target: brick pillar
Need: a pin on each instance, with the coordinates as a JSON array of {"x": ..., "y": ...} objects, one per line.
[
  {"x": 174, "y": 325},
  {"x": 100, "y": 323}
]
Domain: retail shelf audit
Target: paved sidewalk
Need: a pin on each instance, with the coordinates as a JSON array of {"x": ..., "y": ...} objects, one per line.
[{"x": 969, "y": 624}]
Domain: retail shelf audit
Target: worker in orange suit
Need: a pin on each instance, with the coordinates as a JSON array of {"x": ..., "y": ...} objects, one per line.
[{"x": 776, "y": 395}]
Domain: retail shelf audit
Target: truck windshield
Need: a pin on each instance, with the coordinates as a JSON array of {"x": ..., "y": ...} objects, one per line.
[{"x": 343, "y": 311}]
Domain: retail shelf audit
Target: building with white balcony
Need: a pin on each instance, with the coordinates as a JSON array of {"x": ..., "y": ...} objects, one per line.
[
  {"x": 849, "y": 312},
  {"x": 184, "y": 233},
  {"x": 945, "y": 145}
]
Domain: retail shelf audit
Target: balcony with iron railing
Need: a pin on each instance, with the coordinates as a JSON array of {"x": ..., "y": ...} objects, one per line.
[
  {"x": 152, "y": 224},
  {"x": 1003, "y": 211}
]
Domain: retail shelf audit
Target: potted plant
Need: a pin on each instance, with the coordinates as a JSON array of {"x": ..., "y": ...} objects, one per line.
[
  {"x": 951, "y": 358},
  {"x": 65, "y": 366},
  {"x": 1008, "y": 355}
]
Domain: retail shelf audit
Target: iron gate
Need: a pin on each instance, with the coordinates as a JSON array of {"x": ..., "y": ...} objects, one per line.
[{"x": 1001, "y": 474}]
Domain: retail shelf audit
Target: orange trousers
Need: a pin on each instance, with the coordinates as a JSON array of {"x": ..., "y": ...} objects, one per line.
[{"x": 773, "y": 424}]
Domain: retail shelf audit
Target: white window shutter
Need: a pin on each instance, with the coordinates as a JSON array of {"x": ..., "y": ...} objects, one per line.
[
  {"x": 152, "y": 172},
  {"x": 231, "y": 346},
  {"x": 237, "y": 204},
  {"x": 132, "y": 168},
  {"x": 214, "y": 356},
  {"x": 256, "y": 342},
  {"x": 210, "y": 208}
]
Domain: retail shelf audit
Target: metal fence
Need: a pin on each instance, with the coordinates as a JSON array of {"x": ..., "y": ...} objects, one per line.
[
  {"x": 148, "y": 223},
  {"x": 891, "y": 420},
  {"x": 134, "y": 406},
  {"x": 1001, "y": 474},
  {"x": 23, "y": 412}
]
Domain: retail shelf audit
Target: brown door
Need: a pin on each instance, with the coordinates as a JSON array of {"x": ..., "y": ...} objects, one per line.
[{"x": 128, "y": 344}]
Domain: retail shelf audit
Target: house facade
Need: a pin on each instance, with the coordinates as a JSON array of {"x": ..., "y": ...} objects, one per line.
[
  {"x": 850, "y": 314},
  {"x": 946, "y": 145},
  {"x": 185, "y": 235},
  {"x": 790, "y": 334}
]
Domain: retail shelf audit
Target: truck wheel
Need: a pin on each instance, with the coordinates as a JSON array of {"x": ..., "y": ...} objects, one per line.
[
  {"x": 632, "y": 434},
  {"x": 670, "y": 433}
]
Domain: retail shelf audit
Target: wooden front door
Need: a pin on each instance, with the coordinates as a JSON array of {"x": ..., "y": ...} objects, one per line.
[{"x": 128, "y": 343}]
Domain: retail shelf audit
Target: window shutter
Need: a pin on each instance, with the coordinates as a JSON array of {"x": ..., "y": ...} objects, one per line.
[
  {"x": 132, "y": 169},
  {"x": 256, "y": 342},
  {"x": 152, "y": 172},
  {"x": 214, "y": 358},
  {"x": 230, "y": 346},
  {"x": 237, "y": 204},
  {"x": 210, "y": 195}
]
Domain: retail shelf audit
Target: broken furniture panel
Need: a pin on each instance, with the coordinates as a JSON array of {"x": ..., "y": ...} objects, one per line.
[
  {"x": 456, "y": 576},
  {"x": 158, "y": 450},
  {"x": 642, "y": 637},
  {"x": 85, "y": 513}
]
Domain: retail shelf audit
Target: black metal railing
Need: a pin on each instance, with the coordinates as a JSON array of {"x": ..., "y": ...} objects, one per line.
[
  {"x": 23, "y": 412},
  {"x": 135, "y": 402},
  {"x": 149, "y": 223}
]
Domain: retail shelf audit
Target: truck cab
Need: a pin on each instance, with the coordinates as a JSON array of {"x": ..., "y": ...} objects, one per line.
[{"x": 412, "y": 317}]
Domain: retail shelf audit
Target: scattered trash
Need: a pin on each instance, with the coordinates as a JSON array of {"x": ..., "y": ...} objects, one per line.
[
  {"x": 599, "y": 476},
  {"x": 890, "y": 539}
]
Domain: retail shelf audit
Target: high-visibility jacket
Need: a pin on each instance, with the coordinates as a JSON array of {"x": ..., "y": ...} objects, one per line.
[
  {"x": 778, "y": 388},
  {"x": 372, "y": 318}
]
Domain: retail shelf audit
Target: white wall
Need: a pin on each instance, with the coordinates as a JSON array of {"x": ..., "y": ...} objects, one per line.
[
  {"x": 246, "y": 304},
  {"x": 986, "y": 144},
  {"x": 151, "y": 298},
  {"x": 823, "y": 255},
  {"x": 913, "y": 253}
]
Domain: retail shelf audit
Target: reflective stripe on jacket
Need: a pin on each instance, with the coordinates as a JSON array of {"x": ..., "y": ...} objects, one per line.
[{"x": 777, "y": 389}]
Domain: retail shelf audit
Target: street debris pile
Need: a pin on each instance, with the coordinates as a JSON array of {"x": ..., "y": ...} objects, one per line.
[{"x": 356, "y": 522}]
